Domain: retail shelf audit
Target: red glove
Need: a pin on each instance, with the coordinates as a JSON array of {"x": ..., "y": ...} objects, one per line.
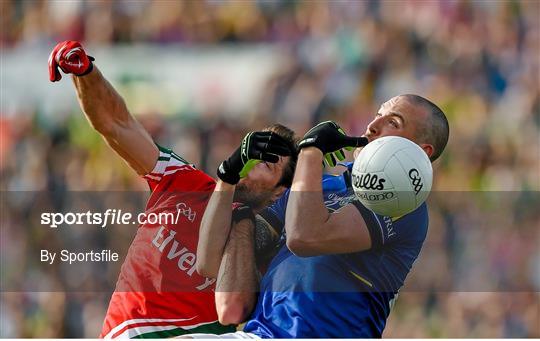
[{"x": 70, "y": 56}]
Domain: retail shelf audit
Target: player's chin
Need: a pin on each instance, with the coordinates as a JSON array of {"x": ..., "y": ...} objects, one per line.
[{"x": 254, "y": 197}]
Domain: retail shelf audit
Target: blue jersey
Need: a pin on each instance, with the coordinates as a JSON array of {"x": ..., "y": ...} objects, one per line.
[{"x": 338, "y": 296}]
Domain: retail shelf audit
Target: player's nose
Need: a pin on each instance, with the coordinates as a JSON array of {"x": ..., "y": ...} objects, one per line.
[{"x": 373, "y": 129}]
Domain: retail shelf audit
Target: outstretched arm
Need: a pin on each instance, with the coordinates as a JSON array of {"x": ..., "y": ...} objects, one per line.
[
  {"x": 104, "y": 108},
  {"x": 108, "y": 114}
]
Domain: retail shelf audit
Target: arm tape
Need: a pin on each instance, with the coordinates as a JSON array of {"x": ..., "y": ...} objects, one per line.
[{"x": 241, "y": 212}]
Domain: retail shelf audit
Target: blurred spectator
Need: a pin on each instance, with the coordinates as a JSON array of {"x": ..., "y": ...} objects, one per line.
[{"x": 479, "y": 272}]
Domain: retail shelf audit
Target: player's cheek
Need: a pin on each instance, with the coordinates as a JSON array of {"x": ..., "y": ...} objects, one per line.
[
  {"x": 276, "y": 175},
  {"x": 257, "y": 172},
  {"x": 266, "y": 175}
]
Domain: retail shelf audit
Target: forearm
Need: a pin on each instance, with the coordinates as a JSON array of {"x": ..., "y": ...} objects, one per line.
[
  {"x": 108, "y": 114},
  {"x": 306, "y": 211},
  {"x": 100, "y": 102},
  {"x": 237, "y": 279},
  {"x": 214, "y": 230}
]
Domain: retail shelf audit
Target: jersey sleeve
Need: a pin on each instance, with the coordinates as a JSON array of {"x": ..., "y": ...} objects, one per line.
[
  {"x": 385, "y": 230},
  {"x": 168, "y": 162}
]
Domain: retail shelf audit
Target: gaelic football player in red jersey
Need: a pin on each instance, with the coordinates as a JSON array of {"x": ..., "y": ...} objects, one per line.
[{"x": 159, "y": 292}]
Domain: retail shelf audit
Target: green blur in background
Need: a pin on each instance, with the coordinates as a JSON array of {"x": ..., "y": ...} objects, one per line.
[{"x": 199, "y": 74}]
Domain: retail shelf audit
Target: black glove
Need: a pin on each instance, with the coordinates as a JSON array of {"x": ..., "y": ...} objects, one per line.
[
  {"x": 329, "y": 138},
  {"x": 256, "y": 147}
]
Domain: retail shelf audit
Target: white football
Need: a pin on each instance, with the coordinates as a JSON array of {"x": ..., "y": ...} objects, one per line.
[{"x": 392, "y": 176}]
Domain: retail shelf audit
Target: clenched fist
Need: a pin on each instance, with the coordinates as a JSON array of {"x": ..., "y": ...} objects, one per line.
[
  {"x": 256, "y": 147},
  {"x": 329, "y": 138},
  {"x": 70, "y": 57}
]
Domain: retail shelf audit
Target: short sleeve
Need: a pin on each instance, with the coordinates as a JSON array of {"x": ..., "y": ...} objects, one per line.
[
  {"x": 168, "y": 162},
  {"x": 385, "y": 230}
]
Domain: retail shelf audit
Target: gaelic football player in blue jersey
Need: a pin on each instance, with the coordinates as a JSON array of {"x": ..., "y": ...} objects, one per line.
[{"x": 338, "y": 266}]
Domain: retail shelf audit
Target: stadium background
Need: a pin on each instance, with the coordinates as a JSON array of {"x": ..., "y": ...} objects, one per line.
[{"x": 199, "y": 74}]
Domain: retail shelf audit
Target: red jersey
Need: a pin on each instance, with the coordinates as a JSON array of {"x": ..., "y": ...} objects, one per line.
[{"x": 159, "y": 293}]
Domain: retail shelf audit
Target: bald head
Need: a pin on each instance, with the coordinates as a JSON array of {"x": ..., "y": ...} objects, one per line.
[{"x": 434, "y": 129}]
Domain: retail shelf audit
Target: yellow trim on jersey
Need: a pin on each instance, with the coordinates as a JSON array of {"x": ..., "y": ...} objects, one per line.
[
  {"x": 362, "y": 279},
  {"x": 394, "y": 219}
]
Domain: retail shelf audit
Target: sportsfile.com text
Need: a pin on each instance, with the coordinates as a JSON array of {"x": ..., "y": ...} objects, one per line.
[{"x": 115, "y": 216}]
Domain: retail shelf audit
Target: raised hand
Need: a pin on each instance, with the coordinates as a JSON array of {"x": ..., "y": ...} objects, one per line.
[
  {"x": 330, "y": 139},
  {"x": 255, "y": 147},
  {"x": 70, "y": 57}
]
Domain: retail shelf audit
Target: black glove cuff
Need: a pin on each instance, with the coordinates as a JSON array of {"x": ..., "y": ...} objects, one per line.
[
  {"x": 224, "y": 173},
  {"x": 90, "y": 67},
  {"x": 241, "y": 212},
  {"x": 308, "y": 142}
]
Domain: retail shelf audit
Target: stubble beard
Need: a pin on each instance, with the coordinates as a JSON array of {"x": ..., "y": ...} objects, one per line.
[{"x": 257, "y": 200}]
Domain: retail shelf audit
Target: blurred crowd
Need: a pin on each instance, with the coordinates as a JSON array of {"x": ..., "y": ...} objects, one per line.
[{"x": 479, "y": 273}]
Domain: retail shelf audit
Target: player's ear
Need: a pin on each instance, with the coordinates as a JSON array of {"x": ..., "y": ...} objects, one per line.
[
  {"x": 428, "y": 148},
  {"x": 278, "y": 191}
]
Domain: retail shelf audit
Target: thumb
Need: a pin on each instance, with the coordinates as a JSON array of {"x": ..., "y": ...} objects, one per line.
[
  {"x": 54, "y": 74},
  {"x": 351, "y": 141}
]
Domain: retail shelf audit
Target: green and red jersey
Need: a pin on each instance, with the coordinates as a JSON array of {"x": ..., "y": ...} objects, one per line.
[{"x": 159, "y": 293}]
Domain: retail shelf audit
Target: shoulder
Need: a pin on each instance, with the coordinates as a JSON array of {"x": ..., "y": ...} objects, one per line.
[
  {"x": 334, "y": 182},
  {"x": 418, "y": 217},
  {"x": 173, "y": 172},
  {"x": 412, "y": 226}
]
